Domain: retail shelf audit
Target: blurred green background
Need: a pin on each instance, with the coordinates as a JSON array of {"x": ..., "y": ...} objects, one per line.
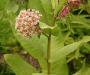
[{"x": 9, "y": 44}]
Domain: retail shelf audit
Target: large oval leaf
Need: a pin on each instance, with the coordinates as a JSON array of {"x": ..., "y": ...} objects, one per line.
[{"x": 18, "y": 65}]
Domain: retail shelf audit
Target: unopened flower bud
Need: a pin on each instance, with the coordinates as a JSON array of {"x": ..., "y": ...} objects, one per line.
[
  {"x": 65, "y": 11},
  {"x": 74, "y": 3}
]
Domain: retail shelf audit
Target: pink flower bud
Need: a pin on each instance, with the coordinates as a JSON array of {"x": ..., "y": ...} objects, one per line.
[
  {"x": 74, "y": 3},
  {"x": 65, "y": 11}
]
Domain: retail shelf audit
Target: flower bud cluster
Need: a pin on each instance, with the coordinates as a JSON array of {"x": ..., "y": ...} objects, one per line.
[
  {"x": 27, "y": 23},
  {"x": 65, "y": 11},
  {"x": 74, "y": 3}
]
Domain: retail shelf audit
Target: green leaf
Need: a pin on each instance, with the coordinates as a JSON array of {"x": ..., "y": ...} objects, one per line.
[
  {"x": 59, "y": 7},
  {"x": 85, "y": 39},
  {"x": 48, "y": 29},
  {"x": 1, "y": 14},
  {"x": 43, "y": 25},
  {"x": 84, "y": 62},
  {"x": 77, "y": 53},
  {"x": 47, "y": 6},
  {"x": 43, "y": 64},
  {"x": 87, "y": 45},
  {"x": 53, "y": 4},
  {"x": 41, "y": 74},
  {"x": 60, "y": 67},
  {"x": 44, "y": 40},
  {"x": 2, "y": 4},
  {"x": 55, "y": 31},
  {"x": 69, "y": 40},
  {"x": 6, "y": 35},
  {"x": 11, "y": 6},
  {"x": 56, "y": 3},
  {"x": 63, "y": 70},
  {"x": 83, "y": 71},
  {"x": 81, "y": 20},
  {"x": 18, "y": 65},
  {"x": 73, "y": 56},
  {"x": 37, "y": 5},
  {"x": 58, "y": 41},
  {"x": 68, "y": 49},
  {"x": 89, "y": 3}
]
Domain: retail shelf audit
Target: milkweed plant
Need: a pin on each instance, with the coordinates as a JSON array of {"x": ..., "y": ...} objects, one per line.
[{"x": 40, "y": 29}]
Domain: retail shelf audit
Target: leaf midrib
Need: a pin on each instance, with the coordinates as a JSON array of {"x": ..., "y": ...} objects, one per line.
[
  {"x": 20, "y": 66},
  {"x": 38, "y": 47}
]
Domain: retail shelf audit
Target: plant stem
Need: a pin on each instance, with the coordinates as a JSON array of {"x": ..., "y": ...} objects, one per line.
[
  {"x": 45, "y": 35},
  {"x": 27, "y": 4},
  {"x": 49, "y": 49},
  {"x": 48, "y": 54},
  {"x": 54, "y": 21}
]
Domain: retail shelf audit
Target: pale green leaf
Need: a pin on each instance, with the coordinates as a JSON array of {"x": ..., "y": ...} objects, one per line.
[
  {"x": 11, "y": 6},
  {"x": 85, "y": 39},
  {"x": 87, "y": 45},
  {"x": 73, "y": 56},
  {"x": 56, "y": 3},
  {"x": 1, "y": 14},
  {"x": 47, "y": 6},
  {"x": 18, "y": 65},
  {"x": 60, "y": 67},
  {"x": 44, "y": 41},
  {"x": 68, "y": 49},
  {"x": 48, "y": 29},
  {"x": 43, "y": 64},
  {"x": 77, "y": 53},
  {"x": 41, "y": 74},
  {"x": 53, "y": 4},
  {"x": 58, "y": 41},
  {"x": 63, "y": 69},
  {"x": 81, "y": 20},
  {"x": 83, "y": 71},
  {"x": 69, "y": 40}
]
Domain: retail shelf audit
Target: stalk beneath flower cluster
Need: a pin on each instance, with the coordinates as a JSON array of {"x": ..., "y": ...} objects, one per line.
[
  {"x": 48, "y": 54},
  {"x": 49, "y": 48}
]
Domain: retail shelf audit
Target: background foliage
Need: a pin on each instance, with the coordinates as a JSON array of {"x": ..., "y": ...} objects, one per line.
[{"x": 73, "y": 28}]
